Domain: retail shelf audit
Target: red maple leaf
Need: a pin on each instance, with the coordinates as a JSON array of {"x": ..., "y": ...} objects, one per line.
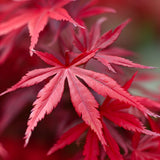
[
  {"x": 89, "y": 41},
  {"x": 83, "y": 101},
  {"x": 113, "y": 110},
  {"x": 36, "y": 17},
  {"x": 85, "y": 104}
]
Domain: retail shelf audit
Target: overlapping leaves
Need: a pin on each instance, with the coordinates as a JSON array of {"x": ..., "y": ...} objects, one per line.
[
  {"x": 37, "y": 18},
  {"x": 82, "y": 99}
]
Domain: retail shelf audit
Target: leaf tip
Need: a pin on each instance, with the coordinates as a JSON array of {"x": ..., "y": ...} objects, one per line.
[
  {"x": 27, "y": 137},
  {"x": 3, "y": 93},
  {"x": 78, "y": 25},
  {"x": 126, "y": 22},
  {"x": 32, "y": 51},
  {"x": 151, "y": 67}
]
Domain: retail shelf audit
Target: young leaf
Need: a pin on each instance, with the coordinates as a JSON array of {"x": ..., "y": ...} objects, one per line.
[
  {"x": 37, "y": 19},
  {"x": 109, "y": 37},
  {"x": 83, "y": 101}
]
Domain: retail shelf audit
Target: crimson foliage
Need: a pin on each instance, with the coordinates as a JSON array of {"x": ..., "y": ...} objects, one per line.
[{"x": 87, "y": 62}]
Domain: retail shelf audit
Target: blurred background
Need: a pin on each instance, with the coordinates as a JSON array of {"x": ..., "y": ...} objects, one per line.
[{"x": 141, "y": 36}]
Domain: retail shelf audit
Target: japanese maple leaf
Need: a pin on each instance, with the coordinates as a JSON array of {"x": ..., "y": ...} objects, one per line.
[
  {"x": 36, "y": 18},
  {"x": 83, "y": 10},
  {"x": 82, "y": 99},
  {"x": 91, "y": 147},
  {"x": 89, "y": 41},
  {"x": 145, "y": 147},
  {"x": 113, "y": 110}
]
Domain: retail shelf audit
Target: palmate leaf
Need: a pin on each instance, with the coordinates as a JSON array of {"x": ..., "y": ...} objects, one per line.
[
  {"x": 37, "y": 19},
  {"x": 99, "y": 44},
  {"x": 91, "y": 149},
  {"x": 111, "y": 36},
  {"x": 95, "y": 41},
  {"x": 50, "y": 95},
  {"x": 83, "y": 101}
]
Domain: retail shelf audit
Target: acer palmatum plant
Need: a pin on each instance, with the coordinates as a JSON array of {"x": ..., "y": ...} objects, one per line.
[{"x": 79, "y": 62}]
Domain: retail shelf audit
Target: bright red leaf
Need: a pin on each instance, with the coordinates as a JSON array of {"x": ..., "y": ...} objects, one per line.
[
  {"x": 83, "y": 101},
  {"x": 92, "y": 41},
  {"x": 37, "y": 19}
]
